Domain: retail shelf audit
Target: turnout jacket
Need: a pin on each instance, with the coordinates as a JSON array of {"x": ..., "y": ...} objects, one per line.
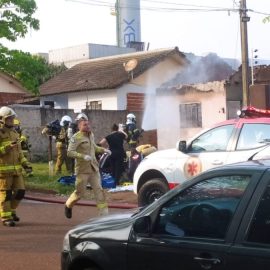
[
  {"x": 80, "y": 145},
  {"x": 12, "y": 160}
]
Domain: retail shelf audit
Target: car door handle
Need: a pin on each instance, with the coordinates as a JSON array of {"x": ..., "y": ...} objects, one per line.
[
  {"x": 217, "y": 162},
  {"x": 207, "y": 263}
]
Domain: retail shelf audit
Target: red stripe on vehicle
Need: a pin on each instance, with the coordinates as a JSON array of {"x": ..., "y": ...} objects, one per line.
[{"x": 173, "y": 185}]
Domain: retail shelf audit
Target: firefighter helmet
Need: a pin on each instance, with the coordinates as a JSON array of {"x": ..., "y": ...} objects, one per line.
[
  {"x": 6, "y": 112},
  {"x": 81, "y": 116},
  {"x": 65, "y": 120},
  {"x": 131, "y": 118}
]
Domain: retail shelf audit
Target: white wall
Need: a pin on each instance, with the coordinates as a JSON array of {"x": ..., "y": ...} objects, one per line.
[
  {"x": 77, "y": 101},
  {"x": 213, "y": 108},
  {"x": 60, "y": 101},
  {"x": 74, "y": 55}
]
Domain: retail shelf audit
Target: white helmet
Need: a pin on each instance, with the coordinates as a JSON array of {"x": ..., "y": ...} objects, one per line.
[
  {"x": 6, "y": 112},
  {"x": 81, "y": 116},
  {"x": 131, "y": 118},
  {"x": 65, "y": 120}
]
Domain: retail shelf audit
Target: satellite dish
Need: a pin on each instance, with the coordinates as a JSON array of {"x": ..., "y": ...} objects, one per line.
[{"x": 130, "y": 65}]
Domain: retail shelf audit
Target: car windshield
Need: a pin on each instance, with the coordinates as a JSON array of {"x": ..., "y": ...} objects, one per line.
[{"x": 215, "y": 139}]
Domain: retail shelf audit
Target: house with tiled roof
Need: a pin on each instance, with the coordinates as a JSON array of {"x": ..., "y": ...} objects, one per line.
[
  {"x": 109, "y": 83},
  {"x": 10, "y": 89}
]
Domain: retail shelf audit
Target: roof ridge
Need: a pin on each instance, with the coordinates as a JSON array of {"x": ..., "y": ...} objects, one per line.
[{"x": 112, "y": 57}]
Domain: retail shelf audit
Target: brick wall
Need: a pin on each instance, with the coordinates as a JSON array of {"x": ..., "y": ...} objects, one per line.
[
  {"x": 136, "y": 104},
  {"x": 11, "y": 97}
]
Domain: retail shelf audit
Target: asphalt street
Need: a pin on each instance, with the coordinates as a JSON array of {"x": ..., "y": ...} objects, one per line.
[{"x": 36, "y": 241}]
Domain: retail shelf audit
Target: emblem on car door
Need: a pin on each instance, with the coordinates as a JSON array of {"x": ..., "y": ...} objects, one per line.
[{"x": 192, "y": 167}]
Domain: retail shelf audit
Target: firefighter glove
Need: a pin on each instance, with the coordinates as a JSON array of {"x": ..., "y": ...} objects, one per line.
[
  {"x": 28, "y": 169},
  {"x": 87, "y": 158}
]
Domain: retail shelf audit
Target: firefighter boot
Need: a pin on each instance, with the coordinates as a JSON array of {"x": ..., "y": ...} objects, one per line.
[
  {"x": 68, "y": 212},
  {"x": 15, "y": 217},
  {"x": 9, "y": 223}
]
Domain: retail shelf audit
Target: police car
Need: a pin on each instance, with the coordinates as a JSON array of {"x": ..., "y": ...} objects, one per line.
[{"x": 235, "y": 140}]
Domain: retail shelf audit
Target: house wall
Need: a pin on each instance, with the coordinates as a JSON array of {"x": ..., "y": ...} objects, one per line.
[
  {"x": 10, "y": 98},
  {"x": 60, "y": 101},
  {"x": 122, "y": 92},
  {"x": 8, "y": 86},
  {"x": 213, "y": 108},
  {"x": 10, "y": 90},
  {"x": 77, "y": 101},
  {"x": 116, "y": 99}
]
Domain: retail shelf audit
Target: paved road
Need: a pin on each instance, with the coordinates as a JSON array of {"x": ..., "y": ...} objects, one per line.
[{"x": 36, "y": 242}]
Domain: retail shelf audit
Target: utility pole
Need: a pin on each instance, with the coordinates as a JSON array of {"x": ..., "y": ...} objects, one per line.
[{"x": 244, "y": 49}]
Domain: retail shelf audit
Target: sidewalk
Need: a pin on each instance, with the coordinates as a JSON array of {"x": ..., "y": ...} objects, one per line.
[{"x": 122, "y": 200}]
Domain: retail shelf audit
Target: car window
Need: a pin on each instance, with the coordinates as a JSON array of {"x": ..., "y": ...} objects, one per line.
[
  {"x": 204, "y": 210},
  {"x": 215, "y": 139},
  {"x": 260, "y": 226},
  {"x": 253, "y": 136}
]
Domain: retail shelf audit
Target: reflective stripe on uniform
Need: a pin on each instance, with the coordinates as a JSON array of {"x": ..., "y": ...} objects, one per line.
[
  {"x": 102, "y": 205},
  {"x": 9, "y": 168},
  {"x": 6, "y": 214}
]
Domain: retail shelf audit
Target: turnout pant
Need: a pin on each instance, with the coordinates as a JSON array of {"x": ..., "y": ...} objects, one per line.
[
  {"x": 93, "y": 179},
  {"x": 61, "y": 153},
  {"x": 12, "y": 190}
]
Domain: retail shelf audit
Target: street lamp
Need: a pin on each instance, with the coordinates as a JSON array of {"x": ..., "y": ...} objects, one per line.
[{"x": 253, "y": 61}]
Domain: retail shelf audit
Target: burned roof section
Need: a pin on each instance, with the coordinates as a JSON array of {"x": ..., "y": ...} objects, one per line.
[{"x": 205, "y": 69}]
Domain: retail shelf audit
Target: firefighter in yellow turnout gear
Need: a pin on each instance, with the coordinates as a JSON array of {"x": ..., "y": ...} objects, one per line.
[
  {"x": 61, "y": 147},
  {"x": 83, "y": 148},
  {"x": 24, "y": 140},
  {"x": 12, "y": 162}
]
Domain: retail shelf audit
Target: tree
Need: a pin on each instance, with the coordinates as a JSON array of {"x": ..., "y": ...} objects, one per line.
[
  {"x": 30, "y": 70},
  {"x": 16, "y": 17}
]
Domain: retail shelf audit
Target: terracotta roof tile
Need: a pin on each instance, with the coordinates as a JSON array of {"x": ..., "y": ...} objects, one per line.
[{"x": 105, "y": 72}]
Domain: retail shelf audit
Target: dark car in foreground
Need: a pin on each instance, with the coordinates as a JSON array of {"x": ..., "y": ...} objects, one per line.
[{"x": 218, "y": 220}]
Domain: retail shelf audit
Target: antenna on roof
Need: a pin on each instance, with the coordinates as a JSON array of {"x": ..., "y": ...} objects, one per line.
[{"x": 130, "y": 66}]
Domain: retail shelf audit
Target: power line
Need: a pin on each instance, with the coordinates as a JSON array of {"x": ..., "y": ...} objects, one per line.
[
  {"x": 156, "y": 8},
  {"x": 195, "y": 8},
  {"x": 258, "y": 12}
]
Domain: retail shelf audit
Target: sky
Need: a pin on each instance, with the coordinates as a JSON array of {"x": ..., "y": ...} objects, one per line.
[{"x": 66, "y": 23}]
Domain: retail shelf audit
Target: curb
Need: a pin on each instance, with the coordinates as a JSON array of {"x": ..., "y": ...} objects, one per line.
[{"x": 82, "y": 202}]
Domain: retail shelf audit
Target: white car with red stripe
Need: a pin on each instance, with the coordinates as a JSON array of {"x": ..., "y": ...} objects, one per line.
[{"x": 231, "y": 141}]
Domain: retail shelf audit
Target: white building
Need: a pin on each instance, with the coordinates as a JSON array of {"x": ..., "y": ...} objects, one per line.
[{"x": 74, "y": 55}]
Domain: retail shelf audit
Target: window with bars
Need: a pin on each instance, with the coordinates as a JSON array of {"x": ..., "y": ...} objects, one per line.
[
  {"x": 190, "y": 115},
  {"x": 94, "y": 105}
]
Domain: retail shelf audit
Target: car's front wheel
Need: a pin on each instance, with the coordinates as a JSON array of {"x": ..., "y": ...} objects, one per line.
[{"x": 151, "y": 191}]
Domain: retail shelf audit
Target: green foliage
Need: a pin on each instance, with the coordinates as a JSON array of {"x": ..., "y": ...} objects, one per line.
[
  {"x": 42, "y": 182},
  {"x": 266, "y": 19},
  {"x": 16, "y": 17},
  {"x": 30, "y": 70}
]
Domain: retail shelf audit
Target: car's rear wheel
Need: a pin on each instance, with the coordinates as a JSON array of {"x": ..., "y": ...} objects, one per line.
[{"x": 151, "y": 191}]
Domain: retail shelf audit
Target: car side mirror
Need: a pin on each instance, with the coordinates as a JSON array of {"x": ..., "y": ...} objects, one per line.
[
  {"x": 142, "y": 225},
  {"x": 182, "y": 146}
]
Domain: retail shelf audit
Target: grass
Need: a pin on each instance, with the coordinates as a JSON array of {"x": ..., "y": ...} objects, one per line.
[{"x": 42, "y": 181}]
